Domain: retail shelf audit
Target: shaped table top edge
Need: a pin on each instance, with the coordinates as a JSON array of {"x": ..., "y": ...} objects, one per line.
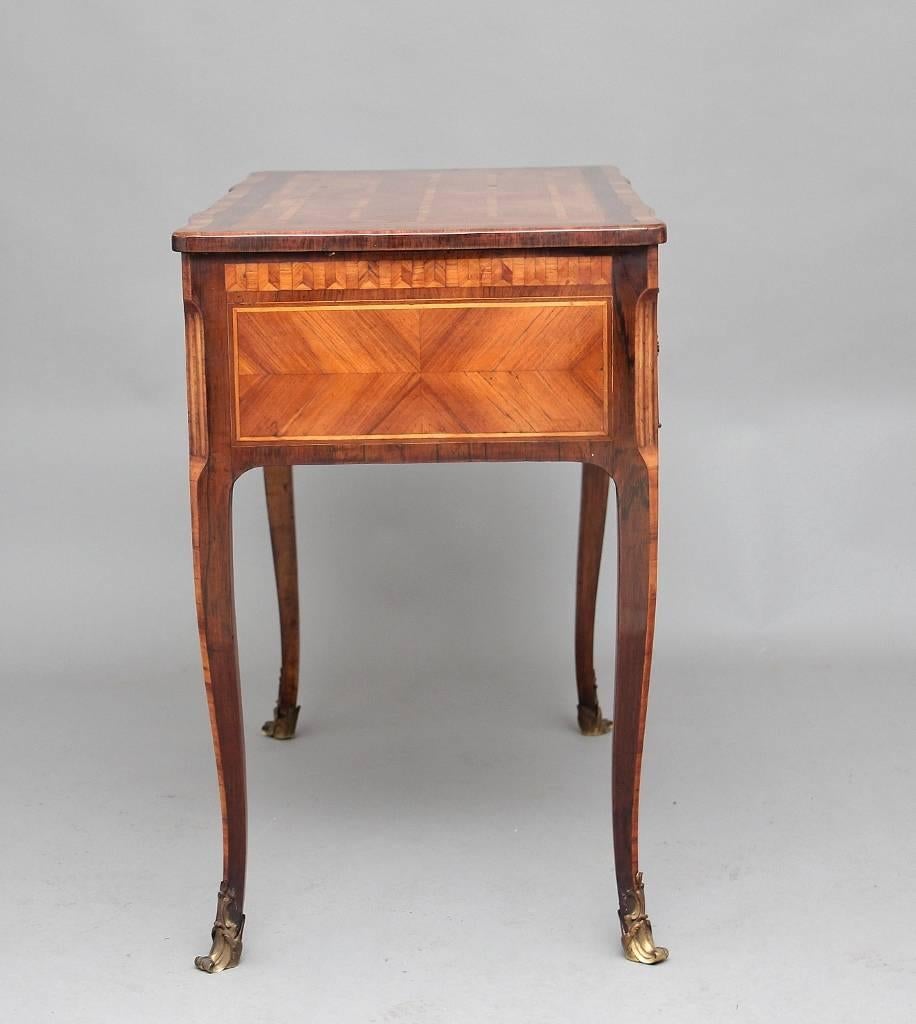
[{"x": 497, "y": 208}]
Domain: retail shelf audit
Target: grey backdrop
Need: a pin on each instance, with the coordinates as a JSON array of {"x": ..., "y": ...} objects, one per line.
[{"x": 435, "y": 847}]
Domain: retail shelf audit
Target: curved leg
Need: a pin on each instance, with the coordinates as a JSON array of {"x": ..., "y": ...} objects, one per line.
[
  {"x": 211, "y": 518},
  {"x": 636, "y": 477},
  {"x": 592, "y": 515},
  {"x": 278, "y": 488}
]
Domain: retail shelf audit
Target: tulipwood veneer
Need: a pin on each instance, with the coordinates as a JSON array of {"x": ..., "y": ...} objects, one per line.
[{"x": 424, "y": 316}]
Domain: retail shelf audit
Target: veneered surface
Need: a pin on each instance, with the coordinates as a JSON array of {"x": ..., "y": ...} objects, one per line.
[
  {"x": 414, "y": 369},
  {"x": 300, "y": 211}
]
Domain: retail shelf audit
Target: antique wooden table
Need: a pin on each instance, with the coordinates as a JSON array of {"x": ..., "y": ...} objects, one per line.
[{"x": 424, "y": 316}]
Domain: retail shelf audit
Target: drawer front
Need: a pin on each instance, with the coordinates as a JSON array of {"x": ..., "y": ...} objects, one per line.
[{"x": 405, "y": 370}]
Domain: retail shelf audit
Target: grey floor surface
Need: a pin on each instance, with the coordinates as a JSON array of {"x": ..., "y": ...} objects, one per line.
[{"x": 435, "y": 847}]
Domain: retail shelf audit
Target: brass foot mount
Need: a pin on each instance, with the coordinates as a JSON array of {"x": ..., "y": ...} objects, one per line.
[
  {"x": 226, "y": 950},
  {"x": 592, "y": 721},
  {"x": 283, "y": 724},
  {"x": 636, "y": 929}
]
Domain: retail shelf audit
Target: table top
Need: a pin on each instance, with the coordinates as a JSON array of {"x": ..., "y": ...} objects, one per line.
[{"x": 530, "y": 207}]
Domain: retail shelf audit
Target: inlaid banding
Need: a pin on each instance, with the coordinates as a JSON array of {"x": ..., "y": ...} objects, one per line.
[{"x": 445, "y": 272}]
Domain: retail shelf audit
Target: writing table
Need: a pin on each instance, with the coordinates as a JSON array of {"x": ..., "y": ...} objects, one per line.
[{"x": 424, "y": 316}]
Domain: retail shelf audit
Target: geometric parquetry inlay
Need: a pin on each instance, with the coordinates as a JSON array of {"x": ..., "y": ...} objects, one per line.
[
  {"x": 403, "y": 370},
  {"x": 407, "y": 272}
]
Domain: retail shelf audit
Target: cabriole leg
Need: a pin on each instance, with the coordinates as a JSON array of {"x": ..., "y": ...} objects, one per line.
[
  {"x": 636, "y": 477},
  {"x": 592, "y": 516},
  {"x": 278, "y": 487},
  {"x": 211, "y": 517}
]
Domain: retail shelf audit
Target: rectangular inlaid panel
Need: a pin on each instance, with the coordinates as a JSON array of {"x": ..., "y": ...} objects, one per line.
[{"x": 406, "y": 370}]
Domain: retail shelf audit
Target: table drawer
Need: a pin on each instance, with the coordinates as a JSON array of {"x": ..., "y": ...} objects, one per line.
[{"x": 403, "y": 370}]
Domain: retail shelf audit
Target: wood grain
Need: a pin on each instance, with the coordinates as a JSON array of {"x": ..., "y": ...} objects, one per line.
[
  {"x": 506, "y": 270},
  {"x": 281, "y": 518},
  {"x": 212, "y": 477},
  {"x": 592, "y": 518},
  {"x": 421, "y": 370},
  {"x": 211, "y": 528},
  {"x": 301, "y": 211},
  {"x": 431, "y": 316},
  {"x": 635, "y": 472},
  {"x": 194, "y": 367},
  {"x": 636, "y": 478}
]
